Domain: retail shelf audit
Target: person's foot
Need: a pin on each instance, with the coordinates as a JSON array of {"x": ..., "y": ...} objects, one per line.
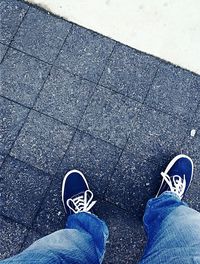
[
  {"x": 76, "y": 195},
  {"x": 177, "y": 176}
]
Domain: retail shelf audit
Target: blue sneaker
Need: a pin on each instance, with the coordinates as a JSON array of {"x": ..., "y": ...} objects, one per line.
[
  {"x": 177, "y": 176},
  {"x": 76, "y": 195}
]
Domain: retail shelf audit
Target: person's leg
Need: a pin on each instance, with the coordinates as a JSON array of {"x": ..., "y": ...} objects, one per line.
[
  {"x": 173, "y": 229},
  {"x": 83, "y": 241}
]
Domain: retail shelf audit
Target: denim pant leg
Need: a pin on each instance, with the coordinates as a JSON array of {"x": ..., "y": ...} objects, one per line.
[
  {"x": 83, "y": 241},
  {"x": 173, "y": 231}
]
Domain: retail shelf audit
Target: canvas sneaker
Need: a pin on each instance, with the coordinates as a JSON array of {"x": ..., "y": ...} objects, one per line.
[
  {"x": 177, "y": 176},
  {"x": 76, "y": 194}
]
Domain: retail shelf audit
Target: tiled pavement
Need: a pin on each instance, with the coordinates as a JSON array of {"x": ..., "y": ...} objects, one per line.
[{"x": 71, "y": 98}]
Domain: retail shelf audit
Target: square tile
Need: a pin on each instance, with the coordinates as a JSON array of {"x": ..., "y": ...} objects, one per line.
[
  {"x": 12, "y": 14},
  {"x": 12, "y": 117},
  {"x": 23, "y": 77},
  {"x": 94, "y": 157},
  {"x": 192, "y": 196},
  {"x": 110, "y": 116},
  {"x": 51, "y": 216},
  {"x": 191, "y": 147},
  {"x": 135, "y": 180},
  {"x": 125, "y": 245},
  {"x": 155, "y": 139},
  {"x": 196, "y": 119},
  {"x": 12, "y": 237},
  {"x": 23, "y": 188},
  {"x": 175, "y": 91},
  {"x": 158, "y": 133},
  {"x": 3, "y": 49},
  {"x": 130, "y": 72},
  {"x": 41, "y": 35},
  {"x": 85, "y": 53},
  {"x": 31, "y": 238},
  {"x": 65, "y": 97},
  {"x": 42, "y": 142},
  {"x": 2, "y": 157}
]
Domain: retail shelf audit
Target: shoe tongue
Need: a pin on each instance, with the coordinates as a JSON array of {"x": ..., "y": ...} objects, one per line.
[{"x": 77, "y": 195}]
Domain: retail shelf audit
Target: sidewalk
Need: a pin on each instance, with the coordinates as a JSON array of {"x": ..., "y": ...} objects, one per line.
[{"x": 71, "y": 98}]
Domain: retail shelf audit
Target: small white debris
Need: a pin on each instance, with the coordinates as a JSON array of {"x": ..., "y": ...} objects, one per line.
[
  {"x": 59, "y": 213},
  {"x": 193, "y": 132},
  {"x": 147, "y": 184},
  {"x": 109, "y": 70}
]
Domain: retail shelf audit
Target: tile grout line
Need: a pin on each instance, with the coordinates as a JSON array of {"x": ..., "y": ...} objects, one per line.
[
  {"x": 84, "y": 111},
  {"x": 30, "y": 55},
  {"x": 122, "y": 150},
  {"x": 107, "y": 62},
  {"x": 144, "y": 104},
  {"x": 151, "y": 84},
  {"x": 4, "y": 53},
  {"x": 31, "y": 108},
  {"x": 76, "y": 128},
  {"x": 117, "y": 206},
  {"x": 106, "y": 87},
  {"x": 96, "y": 86},
  {"x": 53, "y": 175},
  {"x": 12, "y": 220},
  {"x": 9, "y": 45},
  {"x": 75, "y": 132},
  {"x": 52, "y": 65}
]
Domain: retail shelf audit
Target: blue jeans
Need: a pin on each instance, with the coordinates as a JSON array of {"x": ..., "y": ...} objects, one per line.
[{"x": 173, "y": 231}]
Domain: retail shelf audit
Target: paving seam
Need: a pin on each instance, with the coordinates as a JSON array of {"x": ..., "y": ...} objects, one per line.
[{"x": 9, "y": 45}]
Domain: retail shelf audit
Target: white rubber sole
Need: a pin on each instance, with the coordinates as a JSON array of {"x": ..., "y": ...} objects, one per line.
[
  {"x": 65, "y": 178},
  {"x": 172, "y": 162}
]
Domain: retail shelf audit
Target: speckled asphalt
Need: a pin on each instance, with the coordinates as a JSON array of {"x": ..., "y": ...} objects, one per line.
[{"x": 71, "y": 98}]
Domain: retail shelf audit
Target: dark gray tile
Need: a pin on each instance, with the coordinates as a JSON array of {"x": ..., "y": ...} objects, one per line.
[
  {"x": 175, "y": 91},
  {"x": 196, "y": 119},
  {"x": 192, "y": 148},
  {"x": 94, "y": 157},
  {"x": 192, "y": 196},
  {"x": 41, "y": 35},
  {"x": 42, "y": 142},
  {"x": 12, "y": 118},
  {"x": 155, "y": 139},
  {"x": 130, "y": 72},
  {"x": 12, "y": 13},
  {"x": 12, "y": 237},
  {"x": 23, "y": 188},
  {"x": 31, "y": 238},
  {"x": 135, "y": 181},
  {"x": 2, "y": 157},
  {"x": 51, "y": 216},
  {"x": 3, "y": 49},
  {"x": 110, "y": 116},
  {"x": 85, "y": 53},
  {"x": 65, "y": 97},
  {"x": 126, "y": 235},
  {"x": 22, "y": 77},
  {"x": 157, "y": 133}
]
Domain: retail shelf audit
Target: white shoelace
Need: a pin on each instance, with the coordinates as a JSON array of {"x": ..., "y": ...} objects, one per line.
[
  {"x": 82, "y": 203},
  {"x": 176, "y": 183}
]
